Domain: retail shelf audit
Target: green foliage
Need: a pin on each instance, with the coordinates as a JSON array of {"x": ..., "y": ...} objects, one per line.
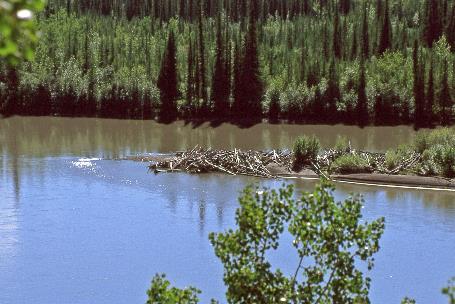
[
  {"x": 161, "y": 292},
  {"x": 342, "y": 144},
  {"x": 426, "y": 140},
  {"x": 444, "y": 157},
  {"x": 114, "y": 49},
  {"x": 408, "y": 301},
  {"x": 395, "y": 157},
  {"x": 331, "y": 242},
  {"x": 350, "y": 164},
  {"x": 305, "y": 150},
  {"x": 449, "y": 291},
  {"x": 326, "y": 232},
  {"x": 17, "y": 29}
]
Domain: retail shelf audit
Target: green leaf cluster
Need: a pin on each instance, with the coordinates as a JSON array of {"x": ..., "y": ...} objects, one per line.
[
  {"x": 329, "y": 240},
  {"x": 17, "y": 29}
]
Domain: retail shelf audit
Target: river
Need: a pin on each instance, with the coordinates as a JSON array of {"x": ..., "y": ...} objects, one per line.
[{"x": 79, "y": 226}]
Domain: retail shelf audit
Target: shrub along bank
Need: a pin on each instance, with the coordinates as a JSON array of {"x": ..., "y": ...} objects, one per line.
[{"x": 430, "y": 154}]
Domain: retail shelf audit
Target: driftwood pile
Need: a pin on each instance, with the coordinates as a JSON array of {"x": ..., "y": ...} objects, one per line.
[
  {"x": 269, "y": 164},
  {"x": 233, "y": 162}
]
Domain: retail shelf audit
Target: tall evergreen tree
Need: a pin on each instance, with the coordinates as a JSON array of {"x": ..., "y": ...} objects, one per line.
[
  {"x": 354, "y": 45},
  {"x": 190, "y": 89},
  {"x": 332, "y": 94},
  {"x": 250, "y": 73},
  {"x": 167, "y": 82},
  {"x": 337, "y": 43},
  {"x": 362, "y": 100},
  {"x": 365, "y": 34},
  {"x": 238, "y": 105},
  {"x": 430, "y": 96},
  {"x": 205, "y": 107},
  {"x": 450, "y": 29},
  {"x": 445, "y": 100},
  {"x": 385, "y": 39},
  {"x": 433, "y": 26},
  {"x": 419, "y": 90},
  {"x": 220, "y": 85},
  {"x": 345, "y": 6}
]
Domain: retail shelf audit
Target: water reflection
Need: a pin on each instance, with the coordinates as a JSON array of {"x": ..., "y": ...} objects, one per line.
[{"x": 45, "y": 136}]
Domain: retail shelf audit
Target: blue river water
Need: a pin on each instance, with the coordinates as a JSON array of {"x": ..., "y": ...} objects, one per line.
[{"x": 79, "y": 227}]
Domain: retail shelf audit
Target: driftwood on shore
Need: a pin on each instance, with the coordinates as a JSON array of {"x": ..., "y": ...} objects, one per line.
[
  {"x": 259, "y": 163},
  {"x": 279, "y": 163},
  {"x": 233, "y": 162}
]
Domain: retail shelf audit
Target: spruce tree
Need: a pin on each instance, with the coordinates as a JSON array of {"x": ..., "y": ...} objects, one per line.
[
  {"x": 450, "y": 29},
  {"x": 239, "y": 101},
  {"x": 365, "y": 34},
  {"x": 190, "y": 90},
  {"x": 337, "y": 44},
  {"x": 220, "y": 85},
  {"x": 205, "y": 107},
  {"x": 332, "y": 94},
  {"x": 306, "y": 7},
  {"x": 419, "y": 90},
  {"x": 250, "y": 73},
  {"x": 354, "y": 45},
  {"x": 362, "y": 100},
  {"x": 345, "y": 6},
  {"x": 167, "y": 82},
  {"x": 385, "y": 39},
  {"x": 445, "y": 100},
  {"x": 430, "y": 96},
  {"x": 433, "y": 24}
]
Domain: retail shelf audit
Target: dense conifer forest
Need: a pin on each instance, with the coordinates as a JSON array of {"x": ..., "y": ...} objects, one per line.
[{"x": 381, "y": 62}]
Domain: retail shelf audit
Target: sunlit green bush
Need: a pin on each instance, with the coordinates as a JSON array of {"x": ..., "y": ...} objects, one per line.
[
  {"x": 305, "y": 150},
  {"x": 444, "y": 157},
  {"x": 342, "y": 144},
  {"x": 396, "y": 157},
  {"x": 426, "y": 140},
  {"x": 350, "y": 164}
]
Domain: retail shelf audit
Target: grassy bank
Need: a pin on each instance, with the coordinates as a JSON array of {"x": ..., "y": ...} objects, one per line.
[{"x": 431, "y": 154}]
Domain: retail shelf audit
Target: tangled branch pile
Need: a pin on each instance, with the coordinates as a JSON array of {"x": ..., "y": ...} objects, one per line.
[{"x": 233, "y": 162}]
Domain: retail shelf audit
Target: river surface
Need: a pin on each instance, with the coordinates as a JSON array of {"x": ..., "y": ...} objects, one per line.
[{"x": 78, "y": 226}]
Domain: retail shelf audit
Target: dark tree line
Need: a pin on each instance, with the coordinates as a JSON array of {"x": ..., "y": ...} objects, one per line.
[{"x": 222, "y": 60}]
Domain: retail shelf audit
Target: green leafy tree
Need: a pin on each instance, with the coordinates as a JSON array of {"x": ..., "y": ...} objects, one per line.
[
  {"x": 326, "y": 232},
  {"x": 17, "y": 29},
  {"x": 449, "y": 291},
  {"x": 161, "y": 292},
  {"x": 330, "y": 238}
]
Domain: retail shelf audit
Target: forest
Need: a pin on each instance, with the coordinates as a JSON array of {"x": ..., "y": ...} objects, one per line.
[{"x": 376, "y": 62}]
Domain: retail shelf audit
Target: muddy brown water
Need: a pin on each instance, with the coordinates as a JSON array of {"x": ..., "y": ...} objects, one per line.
[{"x": 76, "y": 224}]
